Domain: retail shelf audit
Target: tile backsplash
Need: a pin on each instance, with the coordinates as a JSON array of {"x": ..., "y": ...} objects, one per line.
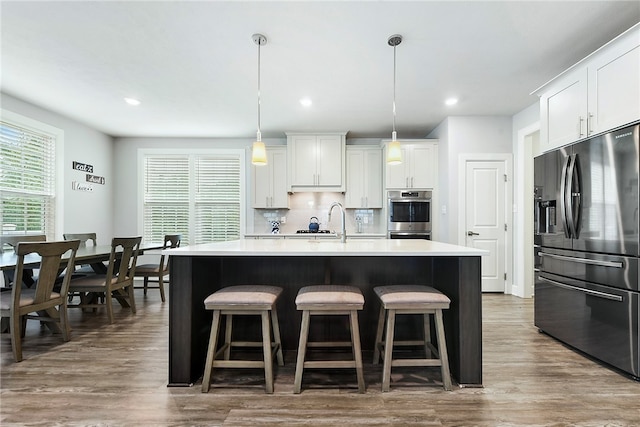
[{"x": 303, "y": 206}]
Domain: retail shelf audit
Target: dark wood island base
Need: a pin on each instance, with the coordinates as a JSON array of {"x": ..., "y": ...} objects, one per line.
[{"x": 195, "y": 276}]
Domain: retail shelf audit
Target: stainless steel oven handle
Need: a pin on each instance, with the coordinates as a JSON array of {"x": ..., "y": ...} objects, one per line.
[
  {"x": 583, "y": 290},
  {"x": 583, "y": 260}
]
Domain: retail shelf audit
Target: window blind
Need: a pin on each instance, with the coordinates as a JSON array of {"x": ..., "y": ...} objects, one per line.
[
  {"x": 197, "y": 196},
  {"x": 27, "y": 180}
]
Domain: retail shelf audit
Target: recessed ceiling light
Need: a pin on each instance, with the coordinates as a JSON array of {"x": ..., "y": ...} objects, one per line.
[
  {"x": 451, "y": 101},
  {"x": 306, "y": 102},
  {"x": 132, "y": 101}
]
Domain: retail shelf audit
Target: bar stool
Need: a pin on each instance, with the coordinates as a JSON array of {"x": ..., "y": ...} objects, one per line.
[
  {"x": 411, "y": 299},
  {"x": 329, "y": 300},
  {"x": 257, "y": 300}
]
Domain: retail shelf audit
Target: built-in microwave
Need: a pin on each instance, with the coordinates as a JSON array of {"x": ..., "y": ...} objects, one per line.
[{"x": 409, "y": 212}]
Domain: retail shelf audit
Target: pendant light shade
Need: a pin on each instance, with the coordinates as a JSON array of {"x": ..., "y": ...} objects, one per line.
[
  {"x": 394, "y": 152},
  {"x": 258, "y": 150}
]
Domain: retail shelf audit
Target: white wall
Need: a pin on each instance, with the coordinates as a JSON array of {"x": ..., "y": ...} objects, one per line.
[
  {"x": 526, "y": 132},
  {"x": 83, "y": 212},
  {"x": 464, "y": 135}
]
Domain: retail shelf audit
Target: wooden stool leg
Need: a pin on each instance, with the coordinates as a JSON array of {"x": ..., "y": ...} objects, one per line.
[
  {"x": 211, "y": 351},
  {"x": 276, "y": 336},
  {"x": 388, "y": 350},
  {"x": 427, "y": 334},
  {"x": 442, "y": 350},
  {"x": 378, "y": 341},
  {"x": 302, "y": 348},
  {"x": 266, "y": 347},
  {"x": 228, "y": 326},
  {"x": 357, "y": 351}
]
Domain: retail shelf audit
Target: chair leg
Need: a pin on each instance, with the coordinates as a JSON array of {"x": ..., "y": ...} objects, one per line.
[
  {"x": 146, "y": 284},
  {"x": 132, "y": 298},
  {"x": 427, "y": 334},
  {"x": 228, "y": 326},
  {"x": 109, "y": 303},
  {"x": 376, "y": 348},
  {"x": 64, "y": 322},
  {"x": 15, "y": 323},
  {"x": 276, "y": 336},
  {"x": 211, "y": 351},
  {"x": 357, "y": 351},
  {"x": 266, "y": 348},
  {"x": 388, "y": 350},
  {"x": 442, "y": 350},
  {"x": 302, "y": 348},
  {"x": 161, "y": 286}
]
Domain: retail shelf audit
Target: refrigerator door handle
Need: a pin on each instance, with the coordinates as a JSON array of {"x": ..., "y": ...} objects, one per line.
[
  {"x": 597, "y": 262},
  {"x": 563, "y": 199},
  {"x": 568, "y": 197},
  {"x": 584, "y": 290}
]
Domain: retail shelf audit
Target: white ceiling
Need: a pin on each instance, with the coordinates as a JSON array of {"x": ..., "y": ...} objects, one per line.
[{"x": 193, "y": 64}]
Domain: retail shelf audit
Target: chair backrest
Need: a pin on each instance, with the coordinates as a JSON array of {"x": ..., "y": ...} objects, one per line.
[
  {"x": 51, "y": 263},
  {"x": 83, "y": 237},
  {"x": 170, "y": 241},
  {"x": 12, "y": 240},
  {"x": 127, "y": 258}
]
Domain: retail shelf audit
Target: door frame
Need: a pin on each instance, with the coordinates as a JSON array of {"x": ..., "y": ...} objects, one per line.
[{"x": 507, "y": 160}]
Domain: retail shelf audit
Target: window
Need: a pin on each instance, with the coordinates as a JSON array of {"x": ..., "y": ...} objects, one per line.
[
  {"x": 197, "y": 195},
  {"x": 27, "y": 176}
]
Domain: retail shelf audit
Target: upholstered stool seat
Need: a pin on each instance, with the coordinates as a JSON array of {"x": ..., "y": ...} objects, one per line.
[
  {"x": 329, "y": 300},
  {"x": 411, "y": 299},
  {"x": 257, "y": 300}
]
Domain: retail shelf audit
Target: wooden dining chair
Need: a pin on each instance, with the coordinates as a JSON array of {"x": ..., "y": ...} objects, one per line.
[
  {"x": 116, "y": 283},
  {"x": 10, "y": 242},
  {"x": 84, "y": 239},
  {"x": 21, "y": 304},
  {"x": 161, "y": 269}
]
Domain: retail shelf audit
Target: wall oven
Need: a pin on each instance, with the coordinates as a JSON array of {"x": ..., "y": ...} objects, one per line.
[{"x": 409, "y": 215}]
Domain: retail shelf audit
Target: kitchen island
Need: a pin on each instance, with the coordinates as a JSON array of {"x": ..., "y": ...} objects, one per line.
[{"x": 199, "y": 270}]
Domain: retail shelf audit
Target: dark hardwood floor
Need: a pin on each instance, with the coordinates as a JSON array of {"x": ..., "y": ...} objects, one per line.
[{"x": 116, "y": 375}]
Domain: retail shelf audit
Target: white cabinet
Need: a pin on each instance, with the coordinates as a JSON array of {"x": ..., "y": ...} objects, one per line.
[
  {"x": 364, "y": 177},
  {"x": 598, "y": 94},
  {"x": 316, "y": 161},
  {"x": 419, "y": 167},
  {"x": 269, "y": 184}
]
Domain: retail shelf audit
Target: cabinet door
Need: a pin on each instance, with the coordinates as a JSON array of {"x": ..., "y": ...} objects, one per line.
[
  {"x": 373, "y": 179},
  {"x": 303, "y": 161},
  {"x": 424, "y": 161},
  {"x": 564, "y": 110},
  {"x": 329, "y": 161},
  {"x": 396, "y": 174},
  {"x": 261, "y": 185},
  {"x": 614, "y": 89},
  {"x": 354, "y": 196},
  {"x": 278, "y": 166}
]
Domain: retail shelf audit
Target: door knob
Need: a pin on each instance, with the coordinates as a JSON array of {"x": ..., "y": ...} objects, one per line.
[{"x": 471, "y": 233}]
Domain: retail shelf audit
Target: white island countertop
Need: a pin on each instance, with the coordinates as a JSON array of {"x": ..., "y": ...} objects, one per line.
[{"x": 326, "y": 247}]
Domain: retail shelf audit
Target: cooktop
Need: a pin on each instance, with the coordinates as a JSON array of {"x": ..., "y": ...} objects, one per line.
[{"x": 314, "y": 232}]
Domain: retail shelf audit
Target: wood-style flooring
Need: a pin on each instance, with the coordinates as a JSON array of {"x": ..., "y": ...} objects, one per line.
[{"x": 116, "y": 375}]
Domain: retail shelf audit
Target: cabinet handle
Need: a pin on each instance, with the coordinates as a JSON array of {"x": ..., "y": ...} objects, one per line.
[
  {"x": 411, "y": 182},
  {"x": 271, "y": 204},
  {"x": 406, "y": 182},
  {"x": 366, "y": 201},
  {"x": 580, "y": 120},
  {"x": 590, "y": 124},
  {"x": 599, "y": 294},
  {"x": 266, "y": 201}
]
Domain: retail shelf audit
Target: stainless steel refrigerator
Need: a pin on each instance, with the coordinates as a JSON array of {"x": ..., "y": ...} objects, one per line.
[{"x": 587, "y": 247}]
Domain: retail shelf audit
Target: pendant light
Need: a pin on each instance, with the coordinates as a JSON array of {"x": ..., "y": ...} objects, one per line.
[
  {"x": 394, "y": 153},
  {"x": 258, "y": 150}
]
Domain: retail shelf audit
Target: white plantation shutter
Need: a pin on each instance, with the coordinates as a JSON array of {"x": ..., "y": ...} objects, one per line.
[
  {"x": 196, "y": 195},
  {"x": 27, "y": 180},
  {"x": 217, "y": 198}
]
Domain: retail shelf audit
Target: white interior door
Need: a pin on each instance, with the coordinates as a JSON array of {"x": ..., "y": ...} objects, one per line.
[{"x": 485, "y": 219}]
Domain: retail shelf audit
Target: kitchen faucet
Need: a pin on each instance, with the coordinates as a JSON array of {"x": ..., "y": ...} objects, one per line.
[{"x": 343, "y": 233}]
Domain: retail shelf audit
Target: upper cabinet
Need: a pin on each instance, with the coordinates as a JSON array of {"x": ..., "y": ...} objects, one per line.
[
  {"x": 316, "y": 161},
  {"x": 269, "y": 183},
  {"x": 364, "y": 177},
  {"x": 419, "y": 167},
  {"x": 598, "y": 94}
]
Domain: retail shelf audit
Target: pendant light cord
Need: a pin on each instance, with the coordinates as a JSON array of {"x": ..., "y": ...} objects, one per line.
[
  {"x": 259, "y": 133},
  {"x": 394, "y": 88}
]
